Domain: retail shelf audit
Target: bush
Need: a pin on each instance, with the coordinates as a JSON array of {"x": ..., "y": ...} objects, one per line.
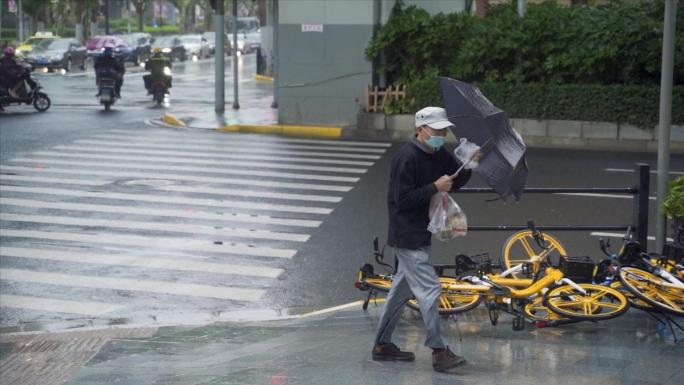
[
  {"x": 583, "y": 63},
  {"x": 673, "y": 206},
  {"x": 162, "y": 30}
]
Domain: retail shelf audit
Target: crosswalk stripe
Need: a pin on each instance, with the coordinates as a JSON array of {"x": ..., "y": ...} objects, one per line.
[
  {"x": 267, "y": 138},
  {"x": 166, "y": 227},
  {"x": 236, "y": 149},
  {"x": 153, "y": 242},
  {"x": 229, "y": 170},
  {"x": 220, "y": 144},
  {"x": 201, "y": 190},
  {"x": 204, "y": 162},
  {"x": 170, "y": 200},
  {"x": 42, "y": 179},
  {"x": 186, "y": 264},
  {"x": 160, "y": 287},
  {"x": 189, "y": 213},
  {"x": 183, "y": 177},
  {"x": 230, "y": 156},
  {"x": 57, "y": 305}
]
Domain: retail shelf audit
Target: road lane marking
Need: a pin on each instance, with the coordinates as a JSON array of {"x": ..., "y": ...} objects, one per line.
[
  {"x": 204, "y": 162},
  {"x": 236, "y": 149},
  {"x": 188, "y": 213},
  {"x": 220, "y": 144},
  {"x": 57, "y": 305},
  {"x": 230, "y": 170},
  {"x": 188, "y": 244},
  {"x": 622, "y": 235},
  {"x": 209, "y": 190},
  {"x": 213, "y": 156},
  {"x": 143, "y": 261},
  {"x": 41, "y": 179},
  {"x": 160, "y": 287},
  {"x": 595, "y": 195},
  {"x": 631, "y": 170},
  {"x": 261, "y": 138},
  {"x": 156, "y": 226},
  {"x": 170, "y": 200},
  {"x": 180, "y": 177}
]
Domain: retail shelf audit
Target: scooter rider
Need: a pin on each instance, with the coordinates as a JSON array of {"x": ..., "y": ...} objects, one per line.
[
  {"x": 107, "y": 63},
  {"x": 156, "y": 65},
  {"x": 12, "y": 72}
]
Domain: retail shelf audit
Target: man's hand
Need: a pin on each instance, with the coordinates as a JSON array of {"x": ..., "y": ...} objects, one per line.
[{"x": 444, "y": 183}]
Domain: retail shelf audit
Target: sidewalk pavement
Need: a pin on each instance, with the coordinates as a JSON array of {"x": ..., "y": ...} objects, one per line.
[{"x": 334, "y": 348}]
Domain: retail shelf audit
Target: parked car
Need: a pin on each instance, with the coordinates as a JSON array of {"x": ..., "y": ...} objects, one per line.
[
  {"x": 195, "y": 46},
  {"x": 211, "y": 39},
  {"x": 95, "y": 45},
  {"x": 171, "y": 47},
  {"x": 140, "y": 47},
  {"x": 27, "y": 46},
  {"x": 58, "y": 53}
]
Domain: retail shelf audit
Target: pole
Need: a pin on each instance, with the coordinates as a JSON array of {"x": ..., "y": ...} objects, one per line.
[
  {"x": 106, "y": 17},
  {"x": 236, "y": 105},
  {"x": 522, "y": 8},
  {"x": 128, "y": 13},
  {"x": 219, "y": 58},
  {"x": 665, "y": 118},
  {"x": 276, "y": 50},
  {"x": 640, "y": 204},
  {"x": 20, "y": 24}
]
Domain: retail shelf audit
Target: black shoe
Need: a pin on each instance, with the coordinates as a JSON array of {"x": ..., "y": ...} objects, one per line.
[
  {"x": 390, "y": 352},
  {"x": 445, "y": 360}
]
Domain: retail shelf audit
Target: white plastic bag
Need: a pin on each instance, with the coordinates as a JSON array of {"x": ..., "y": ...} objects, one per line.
[
  {"x": 447, "y": 220},
  {"x": 465, "y": 152}
]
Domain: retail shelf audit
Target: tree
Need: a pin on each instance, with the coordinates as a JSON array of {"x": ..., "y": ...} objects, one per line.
[{"x": 140, "y": 7}]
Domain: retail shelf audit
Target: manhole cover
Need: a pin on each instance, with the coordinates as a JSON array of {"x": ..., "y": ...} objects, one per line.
[{"x": 149, "y": 182}]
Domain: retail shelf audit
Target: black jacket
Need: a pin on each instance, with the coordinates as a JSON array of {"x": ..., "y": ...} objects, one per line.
[
  {"x": 109, "y": 62},
  {"x": 156, "y": 65},
  {"x": 411, "y": 186}
]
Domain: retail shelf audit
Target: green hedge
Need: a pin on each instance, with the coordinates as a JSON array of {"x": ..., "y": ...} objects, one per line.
[
  {"x": 164, "y": 29},
  {"x": 597, "y": 63},
  {"x": 632, "y": 104}
]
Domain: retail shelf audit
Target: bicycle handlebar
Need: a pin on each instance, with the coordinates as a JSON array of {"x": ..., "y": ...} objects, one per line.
[{"x": 537, "y": 235}]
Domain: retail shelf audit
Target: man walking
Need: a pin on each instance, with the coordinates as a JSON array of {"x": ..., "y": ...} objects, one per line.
[{"x": 420, "y": 169}]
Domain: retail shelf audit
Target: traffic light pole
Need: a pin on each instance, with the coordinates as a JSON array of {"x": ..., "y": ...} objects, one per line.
[{"x": 219, "y": 58}]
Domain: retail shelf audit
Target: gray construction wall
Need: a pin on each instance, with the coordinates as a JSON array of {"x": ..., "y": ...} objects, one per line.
[{"x": 322, "y": 75}]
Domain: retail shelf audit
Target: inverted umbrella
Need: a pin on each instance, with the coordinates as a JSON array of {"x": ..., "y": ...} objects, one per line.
[{"x": 503, "y": 165}]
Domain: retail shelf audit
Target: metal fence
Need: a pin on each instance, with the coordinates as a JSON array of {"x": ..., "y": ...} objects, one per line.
[{"x": 639, "y": 191}]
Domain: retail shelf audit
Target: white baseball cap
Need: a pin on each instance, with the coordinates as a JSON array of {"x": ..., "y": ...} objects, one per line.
[{"x": 433, "y": 117}]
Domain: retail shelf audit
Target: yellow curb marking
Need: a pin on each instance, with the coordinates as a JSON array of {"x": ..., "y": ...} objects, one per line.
[
  {"x": 263, "y": 78},
  {"x": 328, "y": 132},
  {"x": 172, "y": 120}
]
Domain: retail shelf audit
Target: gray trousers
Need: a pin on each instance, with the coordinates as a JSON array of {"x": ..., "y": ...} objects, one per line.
[{"x": 415, "y": 277}]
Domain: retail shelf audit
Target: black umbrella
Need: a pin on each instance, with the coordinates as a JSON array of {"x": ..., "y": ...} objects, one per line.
[{"x": 475, "y": 118}]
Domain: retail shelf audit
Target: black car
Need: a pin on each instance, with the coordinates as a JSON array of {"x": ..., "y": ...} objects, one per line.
[
  {"x": 171, "y": 47},
  {"x": 141, "y": 47},
  {"x": 64, "y": 53}
]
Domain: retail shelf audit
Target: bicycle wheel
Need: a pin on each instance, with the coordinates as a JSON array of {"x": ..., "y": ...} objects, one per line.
[
  {"x": 633, "y": 300},
  {"x": 452, "y": 301},
  {"x": 599, "y": 302},
  {"x": 521, "y": 246},
  {"x": 537, "y": 311},
  {"x": 650, "y": 289}
]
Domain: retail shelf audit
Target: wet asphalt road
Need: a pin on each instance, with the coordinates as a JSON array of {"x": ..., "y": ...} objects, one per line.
[{"x": 108, "y": 220}]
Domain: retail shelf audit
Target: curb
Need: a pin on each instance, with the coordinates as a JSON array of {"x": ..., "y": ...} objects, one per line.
[
  {"x": 273, "y": 129},
  {"x": 263, "y": 78}
]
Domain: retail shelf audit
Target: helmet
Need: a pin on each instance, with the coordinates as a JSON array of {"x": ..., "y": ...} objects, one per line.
[
  {"x": 8, "y": 51},
  {"x": 157, "y": 50},
  {"x": 108, "y": 50}
]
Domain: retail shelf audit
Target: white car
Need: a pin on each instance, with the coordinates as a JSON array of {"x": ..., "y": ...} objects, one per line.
[{"x": 195, "y": 46}]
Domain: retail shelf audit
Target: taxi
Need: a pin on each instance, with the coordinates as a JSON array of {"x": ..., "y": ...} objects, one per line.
[{"x": 27, "y": 46}]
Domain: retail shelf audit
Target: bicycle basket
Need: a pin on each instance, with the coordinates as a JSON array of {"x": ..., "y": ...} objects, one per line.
[
  {"x": 674, "y": 252},
  {"x": 578, "y": 269},
  {"x": 629, "y": 253}
]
